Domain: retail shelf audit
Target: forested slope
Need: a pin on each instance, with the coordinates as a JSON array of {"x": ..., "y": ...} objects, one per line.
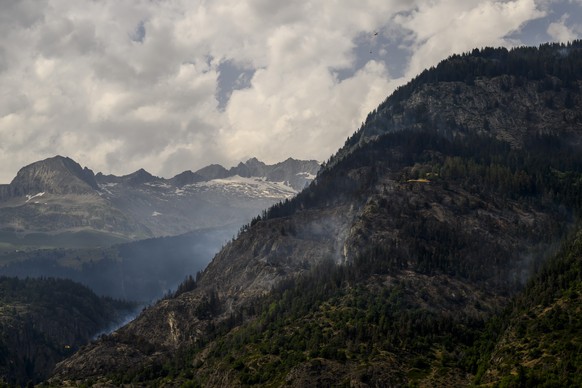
[{"x": 45, "y": 320}]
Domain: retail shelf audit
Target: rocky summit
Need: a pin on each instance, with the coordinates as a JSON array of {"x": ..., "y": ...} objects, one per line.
[{"x": 413, "y": 258}]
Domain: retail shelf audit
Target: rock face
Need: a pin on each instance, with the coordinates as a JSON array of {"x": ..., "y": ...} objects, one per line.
[
  {"x": 56, "y": 200},
  {"x": 58, "y": 175},
  {"x": 55, "y": 197},
  {"x": 442, "y": 204}
]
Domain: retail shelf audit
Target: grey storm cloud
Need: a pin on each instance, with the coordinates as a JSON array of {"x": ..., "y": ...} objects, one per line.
[{"x": 175, "y": 85}]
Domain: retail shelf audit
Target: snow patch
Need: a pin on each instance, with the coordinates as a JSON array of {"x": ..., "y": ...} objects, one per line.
[
  {"x": 29, "y": 197},
  {"x": 257, "y": 187},
  {"x": 306, "y": 175},
  {"x": 158, "y": 184},
  {"x": 104, "y": 188}
]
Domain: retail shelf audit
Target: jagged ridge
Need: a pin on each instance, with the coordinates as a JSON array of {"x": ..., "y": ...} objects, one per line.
[{"x": 58, "y": 197}]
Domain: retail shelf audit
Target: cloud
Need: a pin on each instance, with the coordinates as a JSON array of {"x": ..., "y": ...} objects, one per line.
[
  {"x": 559, "y": 30},
  {"x": 176, "y": 85},
  {"x": 442, "y": 28}
]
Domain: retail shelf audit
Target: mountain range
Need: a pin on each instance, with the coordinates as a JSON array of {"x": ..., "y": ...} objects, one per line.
[
  {"x": 56, "y": 203},
  {"x": 440, "y": 246},
  {"x": 60, "y": 220}
]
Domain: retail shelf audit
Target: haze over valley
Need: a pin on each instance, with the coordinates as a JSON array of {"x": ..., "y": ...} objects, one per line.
[{"x": 403, "y": 207}]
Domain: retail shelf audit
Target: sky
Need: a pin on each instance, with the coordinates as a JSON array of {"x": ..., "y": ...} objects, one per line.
[{"x": 175, "y": 85}]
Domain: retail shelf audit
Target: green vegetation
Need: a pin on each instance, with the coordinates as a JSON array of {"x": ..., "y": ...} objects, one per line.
[
  {"x": 43, "y": 321},
  {"x": 12, "y": 241},
  {"x": 368, "y": 324},
  {"x": 538, "y": 341}
]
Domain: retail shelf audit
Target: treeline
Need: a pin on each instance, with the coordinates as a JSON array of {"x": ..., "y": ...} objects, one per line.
[
  {"x": 560, "y": 60},
  {"x": 553, "y": 67},
  {"x": 51, "y": 293}
]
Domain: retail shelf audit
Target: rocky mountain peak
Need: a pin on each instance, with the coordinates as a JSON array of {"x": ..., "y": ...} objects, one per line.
[
  {"x": 186, "y": 178},
  {"x": 256, "y": 167},
  {"x": 56, "y": 175},
  {"x": 254, "y": 161},
  {"x": 139, "y": 177},
  {"x": 294, "y": 173},
  {"x": 298, "y": 173},
  {"x": 241, "y": 170},
  {"x": 213, "y": 171}
]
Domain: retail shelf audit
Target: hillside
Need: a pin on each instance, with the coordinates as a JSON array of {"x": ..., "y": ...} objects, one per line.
[
  {"x": 537, "y": 341},
  {"x": 389, "y": 266},
  {"x": 43, "y": 321}
]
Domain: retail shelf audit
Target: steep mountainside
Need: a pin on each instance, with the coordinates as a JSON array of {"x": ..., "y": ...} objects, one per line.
[
  {"x": 389, "y": 266},
  {"x": 56, "y": 203},
  {"x": 43, "y": 321},
  {"x": 538, "y": 340}
]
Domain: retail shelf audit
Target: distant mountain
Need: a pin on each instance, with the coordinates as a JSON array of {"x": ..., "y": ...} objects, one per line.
[
  {"x": 56, "y": 203},
  {"x": 58, "y": 175},
  {"x": 213, "y": 171},
  {"x": 389, "y": 269},
  {"x": 291, "y": 172}
]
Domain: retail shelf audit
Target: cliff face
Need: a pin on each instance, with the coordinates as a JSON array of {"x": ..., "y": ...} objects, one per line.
[
  {"x": 56, "y": 196},
  {"x": 58, "y": 175},
  {"x": 442, "y": 203}
]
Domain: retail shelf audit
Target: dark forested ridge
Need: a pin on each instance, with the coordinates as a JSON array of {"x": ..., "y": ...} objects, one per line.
[
  {"x": 45, "y": 320},
  {"x": 407, "y": 261},
  {"x": 495, "y": 91}
]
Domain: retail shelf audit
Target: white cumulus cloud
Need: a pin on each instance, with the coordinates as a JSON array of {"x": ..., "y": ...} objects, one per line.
[{"x": 121, "y": 85}]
